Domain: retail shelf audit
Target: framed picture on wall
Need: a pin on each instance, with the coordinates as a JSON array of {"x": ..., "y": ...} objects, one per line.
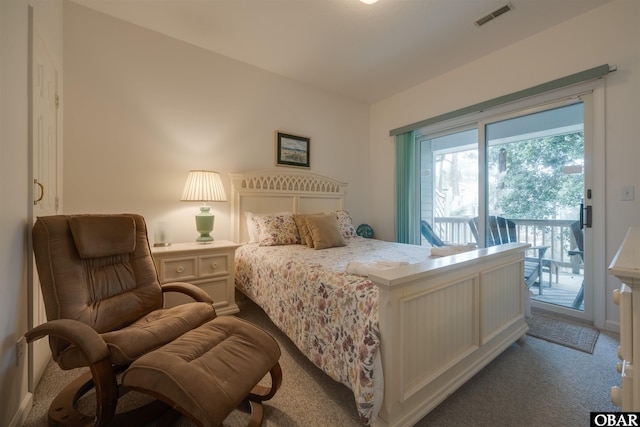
[{"x": 292, "y": 150}]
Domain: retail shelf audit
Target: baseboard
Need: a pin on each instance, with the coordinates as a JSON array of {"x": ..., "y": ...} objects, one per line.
[
  {"x": 25, "y": 407},
  {"x": 612, "y": 326}
]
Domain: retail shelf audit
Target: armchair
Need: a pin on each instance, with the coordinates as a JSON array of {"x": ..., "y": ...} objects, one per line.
[{"x": 104, "y": 308}]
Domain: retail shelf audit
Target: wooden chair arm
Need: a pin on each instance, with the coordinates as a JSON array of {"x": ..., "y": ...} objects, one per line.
[
  {"x": 541, "y": 250},
  {"x": 79, "y": 334},
  {"x": 188, "y": 289},
  {"x": 101, "y": 375}
]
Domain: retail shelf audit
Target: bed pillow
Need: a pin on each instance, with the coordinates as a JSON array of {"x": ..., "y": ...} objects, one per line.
[
  {"x": 252, "y": 227},
  {"x": 276, "y": 229},
  {"x": 344, "y": 222},
  {"x": 325, "y": 231},
  {"x": 303, "y": 230}
]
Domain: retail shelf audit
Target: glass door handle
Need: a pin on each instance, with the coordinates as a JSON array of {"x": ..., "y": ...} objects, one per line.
[
  {"x": 585, "y": 216},
  {"x": 587, "y": 211}
]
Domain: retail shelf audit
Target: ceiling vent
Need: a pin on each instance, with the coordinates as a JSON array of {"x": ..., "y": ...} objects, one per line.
[{"x": 504, "y": 9}]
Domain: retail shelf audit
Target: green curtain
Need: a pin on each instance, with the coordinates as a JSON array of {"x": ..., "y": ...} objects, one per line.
[{"x": 407, "y": 199}]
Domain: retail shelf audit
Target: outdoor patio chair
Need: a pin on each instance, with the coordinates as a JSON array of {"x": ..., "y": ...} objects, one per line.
[
  {"x": 578, "y": 236},
  {"x": 430, "y": 235},
  {"x": 500, "y": 231}
]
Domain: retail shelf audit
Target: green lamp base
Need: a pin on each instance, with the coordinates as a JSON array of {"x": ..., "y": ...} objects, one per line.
[{"x": 204, "y": 224}]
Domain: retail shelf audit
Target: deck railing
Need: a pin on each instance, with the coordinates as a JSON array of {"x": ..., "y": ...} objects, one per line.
[{"x": 556, "y": 234}]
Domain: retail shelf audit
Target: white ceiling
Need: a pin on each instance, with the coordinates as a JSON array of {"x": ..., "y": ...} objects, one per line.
[{"x": 364, "y": 52}]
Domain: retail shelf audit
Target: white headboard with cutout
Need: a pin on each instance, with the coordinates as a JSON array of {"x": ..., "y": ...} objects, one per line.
[{"x": 281, "y": 190}]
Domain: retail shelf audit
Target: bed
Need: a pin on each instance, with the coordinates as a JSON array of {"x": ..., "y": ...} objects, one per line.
[{"x": 402, "y": 329}]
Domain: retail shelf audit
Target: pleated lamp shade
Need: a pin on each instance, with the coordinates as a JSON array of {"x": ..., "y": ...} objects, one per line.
[{"x": 204, "y": 186}]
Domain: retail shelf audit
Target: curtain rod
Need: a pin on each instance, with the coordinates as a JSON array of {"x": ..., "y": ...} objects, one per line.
[{"x": 583, "y": 76}]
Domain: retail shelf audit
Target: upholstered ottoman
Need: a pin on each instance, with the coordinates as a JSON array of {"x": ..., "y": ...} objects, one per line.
[{"x": 207, "y": 372}]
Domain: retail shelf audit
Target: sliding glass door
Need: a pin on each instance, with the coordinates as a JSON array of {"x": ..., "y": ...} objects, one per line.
[
  {"x": 516, "y": 176},
  {"x": 535, "y": 190},
  {"x": 448, "y": 185}
]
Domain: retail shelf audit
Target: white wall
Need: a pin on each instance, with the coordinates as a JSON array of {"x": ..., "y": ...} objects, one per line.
[
  {"x": 142, "y": 109},
  {"x": 15, "y": 189},
  {"x": 609, "y": 34}
]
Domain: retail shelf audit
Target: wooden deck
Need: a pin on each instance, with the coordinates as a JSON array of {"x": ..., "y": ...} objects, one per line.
[{"x": 562, "y": 293}]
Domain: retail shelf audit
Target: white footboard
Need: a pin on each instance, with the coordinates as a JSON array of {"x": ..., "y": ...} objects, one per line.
[{"x": 442, "y": 321}]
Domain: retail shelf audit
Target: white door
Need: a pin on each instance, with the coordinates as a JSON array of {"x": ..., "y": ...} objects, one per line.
[{"x": 45, "y": 152}]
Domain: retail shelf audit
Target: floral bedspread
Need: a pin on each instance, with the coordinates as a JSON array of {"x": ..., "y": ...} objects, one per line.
[{"x": 330, "y": 315}]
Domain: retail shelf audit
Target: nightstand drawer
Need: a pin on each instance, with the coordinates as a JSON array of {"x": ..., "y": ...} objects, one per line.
[
  {"x": 218, "y": 291},
  {"x": 208, "y": 266},
  {"x": 178, "y": 269},
  {"x": 213, "y": 265}
]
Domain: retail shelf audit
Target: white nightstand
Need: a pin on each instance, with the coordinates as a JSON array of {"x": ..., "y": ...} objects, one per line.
[{"x": 209, "y": 266}]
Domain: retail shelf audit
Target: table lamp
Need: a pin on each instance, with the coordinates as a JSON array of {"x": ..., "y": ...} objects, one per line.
[{"x": 204, "y": 186}]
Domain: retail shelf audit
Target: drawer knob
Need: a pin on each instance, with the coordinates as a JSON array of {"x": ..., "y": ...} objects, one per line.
[
  {"x": 214, "y": 265},
  {"x": 616, "y": 396},
  {"x": 180, "y": 269}
]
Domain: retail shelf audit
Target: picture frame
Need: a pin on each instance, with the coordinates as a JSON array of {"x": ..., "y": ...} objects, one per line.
[{"x": 292, "y": 150}]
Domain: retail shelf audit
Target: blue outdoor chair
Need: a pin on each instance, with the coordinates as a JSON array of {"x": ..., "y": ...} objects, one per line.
[{"x": 500, "y": 231}]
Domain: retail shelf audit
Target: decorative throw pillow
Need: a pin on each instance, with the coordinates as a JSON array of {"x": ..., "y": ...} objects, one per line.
[
  {"x": 365, "y": 230},
  {"x": 277, "y": 229},
  {"x": 303, "y": 230},
  {"x": 325, "y": 231},
  {"x": 344, "y": 222}
]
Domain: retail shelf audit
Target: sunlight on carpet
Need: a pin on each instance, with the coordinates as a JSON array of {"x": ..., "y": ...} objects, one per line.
[{"x": 559, "y": 330}]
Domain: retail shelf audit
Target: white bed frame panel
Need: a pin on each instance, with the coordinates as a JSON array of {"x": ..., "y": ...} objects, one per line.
[
  {"x": 441, "y": 321},
  {"x": 476, "y": 301},
  {"x": 269, "y": 191}
]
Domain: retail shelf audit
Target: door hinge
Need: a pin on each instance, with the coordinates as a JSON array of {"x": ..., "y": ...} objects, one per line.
[
  {"x": 57, "y": 203},
  {"x": 57, "y": 101}
]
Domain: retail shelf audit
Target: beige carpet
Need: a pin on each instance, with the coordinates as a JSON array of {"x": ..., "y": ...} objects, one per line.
[
  {"x": 306, "y": 397},
  {"x": 525, "y": 386},
  {"x": 561, "y": 330}
]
